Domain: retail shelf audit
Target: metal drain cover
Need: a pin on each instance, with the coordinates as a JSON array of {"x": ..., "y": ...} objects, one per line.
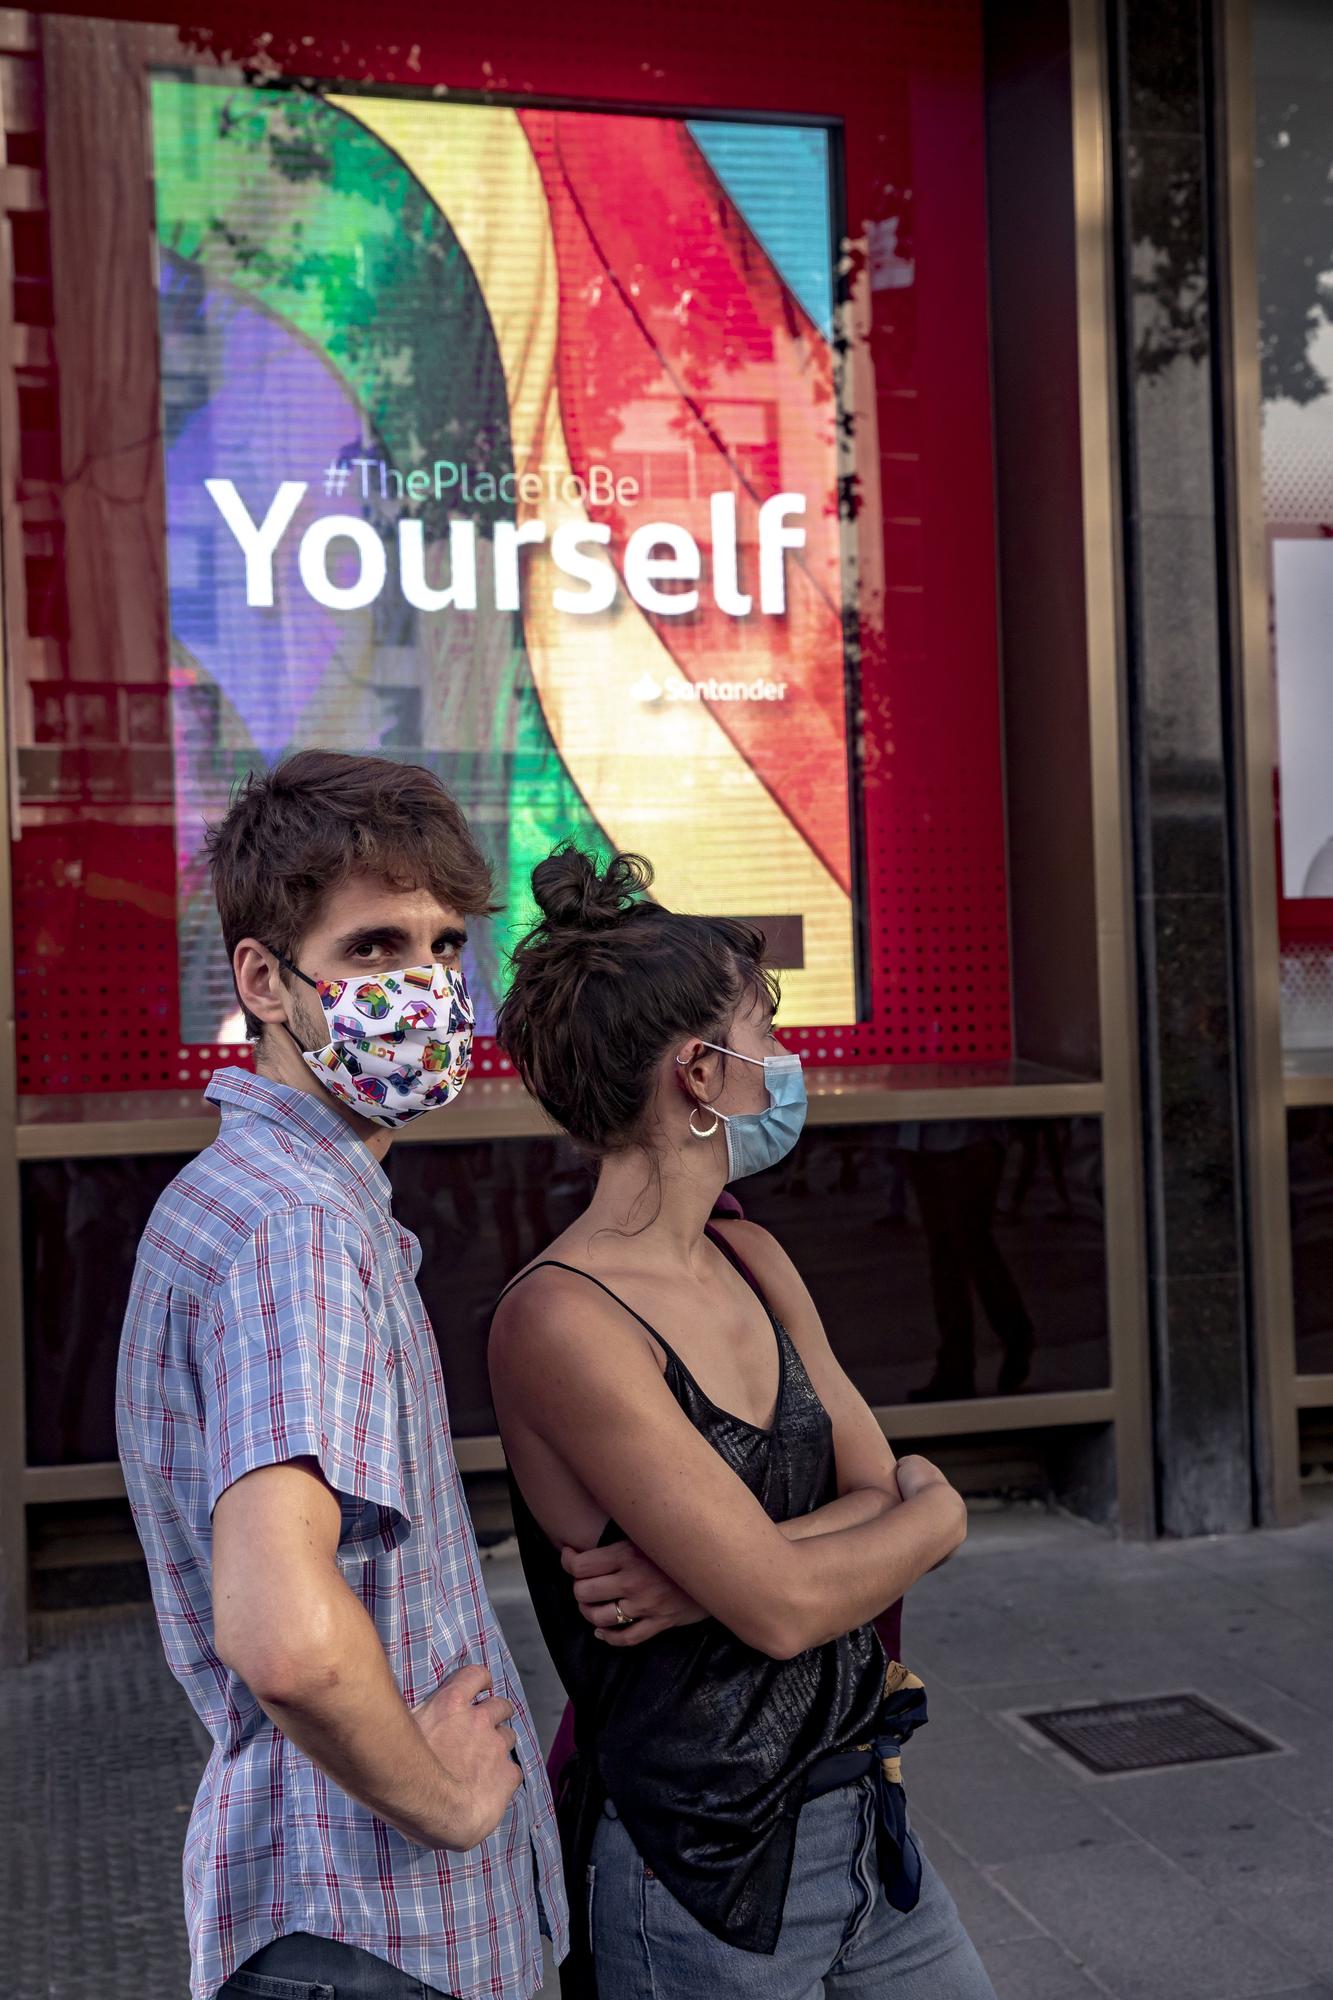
[{"x": 1147, "y": 1735}]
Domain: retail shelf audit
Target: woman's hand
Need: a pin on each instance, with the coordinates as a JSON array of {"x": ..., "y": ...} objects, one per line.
[
  {"x": 621, "y": 1574},
  {"x": 915, "y": 1474}
]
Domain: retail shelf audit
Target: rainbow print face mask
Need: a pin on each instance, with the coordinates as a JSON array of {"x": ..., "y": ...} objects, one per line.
[{"x": 400, "y": 1043}]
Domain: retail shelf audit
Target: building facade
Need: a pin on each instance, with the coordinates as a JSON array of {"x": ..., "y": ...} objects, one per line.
[{"x": 878, "y": 472}]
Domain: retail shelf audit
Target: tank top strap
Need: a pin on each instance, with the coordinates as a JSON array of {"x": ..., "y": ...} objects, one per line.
[
  {"x": 554, "y": 1264},
  {"x": 788, "y": 1351}
]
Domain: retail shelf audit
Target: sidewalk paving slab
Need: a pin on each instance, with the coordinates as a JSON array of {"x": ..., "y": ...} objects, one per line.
[
  {"x": 1037, "y": 1968},
  {"x": 991, "y": 1917},
  {"x": 1206, "y": 1883},
  {"x": 1147, "y": 1930},
  {"x": 1200, "y": 1883}
]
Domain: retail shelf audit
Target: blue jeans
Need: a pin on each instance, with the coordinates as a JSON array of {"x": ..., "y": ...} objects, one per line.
[
  {"x": 841, "y": 1937},
  {"x": 303, "y": 1967}
]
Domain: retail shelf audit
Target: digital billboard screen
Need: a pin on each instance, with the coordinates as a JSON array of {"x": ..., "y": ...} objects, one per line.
[{"x": 510, "y": 441}]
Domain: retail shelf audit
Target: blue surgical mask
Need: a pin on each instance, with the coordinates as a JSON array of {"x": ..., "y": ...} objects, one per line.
[{"x": 759, "y": 1139}]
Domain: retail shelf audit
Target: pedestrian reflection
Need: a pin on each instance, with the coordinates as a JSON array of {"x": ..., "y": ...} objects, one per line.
[{"x": 954, "y": 1167}]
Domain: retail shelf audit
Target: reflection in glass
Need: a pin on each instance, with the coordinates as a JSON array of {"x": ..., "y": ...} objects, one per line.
[
  {"x": 866, "y": 1229},
  {"x": 1310, "y": 1169},
  {"x": 82, "y": 1220},
  {"x": 954, "y": 1258},
  {"x": 954, "y": 1170},
  {"x": 481, "y": 1211},
  {"x": 1293, "y": 55}
]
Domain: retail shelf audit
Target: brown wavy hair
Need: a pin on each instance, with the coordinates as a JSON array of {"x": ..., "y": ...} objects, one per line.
[
  {"x": 603, "y": 985},
  {"x": 294, "y": 834}
]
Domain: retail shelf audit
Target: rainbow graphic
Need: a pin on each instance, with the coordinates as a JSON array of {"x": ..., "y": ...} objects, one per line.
[{"x": 495, "y": 335}]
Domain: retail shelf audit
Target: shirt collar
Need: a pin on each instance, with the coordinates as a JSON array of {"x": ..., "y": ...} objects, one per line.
[{"x": 315, "y": 1117}]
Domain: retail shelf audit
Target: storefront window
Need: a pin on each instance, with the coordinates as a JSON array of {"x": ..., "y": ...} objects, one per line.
[
  {"x": 959, "y": 1257},
  {"x": 1293, "y": 42},
  {"x": 622, "y": 463},
  {"x": 647, "y": 450},
  {"x": 1310, "y": 1171}
]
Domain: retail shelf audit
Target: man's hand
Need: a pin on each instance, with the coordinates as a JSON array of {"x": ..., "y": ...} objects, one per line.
[
  {"x": 471, "y": 1740},
  {"x": 645, "y": 1593},
  {"x": 288, "y": 1625}
]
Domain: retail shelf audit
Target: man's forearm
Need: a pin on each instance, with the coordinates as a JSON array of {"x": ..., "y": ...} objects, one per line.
[{"x": 346, "y": 1712}]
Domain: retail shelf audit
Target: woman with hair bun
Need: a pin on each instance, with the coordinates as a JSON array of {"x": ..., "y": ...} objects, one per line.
[{"x": 709, "y": 1516}]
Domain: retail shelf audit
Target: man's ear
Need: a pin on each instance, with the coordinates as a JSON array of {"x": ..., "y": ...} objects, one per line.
[{"x": 258, "y": 981}]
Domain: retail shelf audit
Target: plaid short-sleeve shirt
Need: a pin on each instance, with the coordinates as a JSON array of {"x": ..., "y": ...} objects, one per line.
[{"x": 275, "y": 1315}]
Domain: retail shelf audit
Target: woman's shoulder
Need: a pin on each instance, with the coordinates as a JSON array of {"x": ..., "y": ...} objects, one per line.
[
  {"x": 758, "y": 1246},
  {"x": 555, "y": 1308},
  {"x": 559, "y": 1343},
  {"x": 542, "y": 1285},
  {"x": 763, "y": 1256}
]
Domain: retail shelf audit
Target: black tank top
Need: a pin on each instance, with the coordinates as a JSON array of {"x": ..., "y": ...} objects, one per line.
[{"x": 702, "y": 1743}]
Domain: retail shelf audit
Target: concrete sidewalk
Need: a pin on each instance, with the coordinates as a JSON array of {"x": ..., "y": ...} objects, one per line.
[
  {"x": 1203, "y": 1883},
  {"x": 1211, "y": 1881}
]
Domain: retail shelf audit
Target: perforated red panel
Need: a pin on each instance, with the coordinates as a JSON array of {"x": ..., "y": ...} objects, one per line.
[
  {"x": 96, "y": 1001},
  {"x": 95, "y": 897}
]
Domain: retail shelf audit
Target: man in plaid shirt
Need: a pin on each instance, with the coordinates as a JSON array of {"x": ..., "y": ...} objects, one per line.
[{"x": 374, "y": 1821}]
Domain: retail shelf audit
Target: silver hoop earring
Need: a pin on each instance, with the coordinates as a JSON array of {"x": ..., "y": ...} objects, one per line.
[{"x": 695, "y": 1129}]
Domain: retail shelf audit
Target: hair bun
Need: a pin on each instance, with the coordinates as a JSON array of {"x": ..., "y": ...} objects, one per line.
[{"x": 574, "y": 893}]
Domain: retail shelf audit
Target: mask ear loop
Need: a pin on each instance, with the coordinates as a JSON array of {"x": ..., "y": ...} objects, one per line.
[
  {"x": 718, "y": 1116},
  {"x": 283, "y": 959}
]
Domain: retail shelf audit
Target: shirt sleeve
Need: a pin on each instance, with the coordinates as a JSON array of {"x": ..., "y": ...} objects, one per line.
[{"x": 295, "y": 1371}]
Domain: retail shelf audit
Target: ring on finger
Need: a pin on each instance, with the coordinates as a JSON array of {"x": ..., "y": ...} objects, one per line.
[{"x": 622, "y": 1617}]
